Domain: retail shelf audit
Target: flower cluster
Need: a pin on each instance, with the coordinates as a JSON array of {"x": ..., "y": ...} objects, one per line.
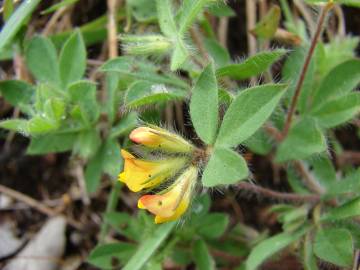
[{"x": 175, "y": 171}]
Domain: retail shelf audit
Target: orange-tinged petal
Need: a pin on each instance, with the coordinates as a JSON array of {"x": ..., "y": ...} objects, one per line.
[
  {"x": 145, "y": 135},
  {"x": 140, "y": 205},
  {"x": 172, "y": 204},
  {"x": 183, "y": 206},
  {"x": 161, "y": 139},
  {"x": 139, "y": 174}
]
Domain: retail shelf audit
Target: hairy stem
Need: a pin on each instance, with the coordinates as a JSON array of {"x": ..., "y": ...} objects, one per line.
[
  {"x": 301, "y": 79},
  {"x": 281, "y": 196}
]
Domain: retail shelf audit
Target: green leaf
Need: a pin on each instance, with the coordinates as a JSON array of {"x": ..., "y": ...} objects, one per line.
[
  {"x": 41, "y": 59},
  {"x": 16, "y": 92},
  {"x": 126, "y": 65},
  {"x": 93, "y": 171},
  {"x": 54, "y": 109},
  {"x": 295, "y": 181},
  {"x": 352, "y": 3},
  {"x": 269, "y": 247},
  {"x": 334, "y": 245},
  {"x": 323, "y": 170},
  {"x": 118, "y": 220},
  {"x": 337, "y": 111},
  {"x": 179, "y": 55},
  {"x": 217, "y": 52},
  {"x": 309, "y": 259},
  {"x": 44, "y": 93},
  {"x": 252, "y": 66},
  {"x": 112, "y": 80},
  {"x": 248, "y": 112},
  {"x": 51, "y": 143},
  {"x": 303, "y": 140},
  {"x": 72, "y": 59},
  {"x": 225, "y": 167},
  {"x": 212, "y": 225},
  {"x": 112, "y": 160},
  {"x": 62, "y": 4},
  {"x": 87, "y": 143},
  {"x": 259, "y": 143},
  {"x": 166, "y": 17},
  {"x": 149, "y": 246},
  {"x": 19, "y": 125},
  {"x": 347, "y": 210},
  {"x": 204, "y": 101},
  {"x": 225, "y": 97},
  {"x": 8, "y": 9},
  {"x": 41, "y": 124},
  {"x": 349, "y": 185},
  {"x": 339, "y": 50},
  {"x": 221, "y": 9},
  {"x": 83, "y": 93},
  {"x": 142, "y": 93},
  {"x": 201, "y": 205},
  {"x": 143, "y": 10},
  {"x": 268, "y": 25},
  {"x": 111, "y": 256},
  {"x": 202, "y": 257},
  {"x": 107, "y": 159},
  {"x": 124, "y": 126},
  {"x": 180, "y": 256},
  {"x": 341, "y": 80},
  {"x": 189, "y": 12},
  {"x": 13, "y": 25}
]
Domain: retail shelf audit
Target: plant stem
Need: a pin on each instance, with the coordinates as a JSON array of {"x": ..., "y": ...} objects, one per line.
[
  {"x": 356, "y": 260},
  {"x": 111, "y": 206},
  {"x": 308, "y": 180},
  {"x": 300, "y": 82},
  {"x": 250, "y": 25},
  {"x": 282, "y": 196},
  {"x": 112, "y": 29}
]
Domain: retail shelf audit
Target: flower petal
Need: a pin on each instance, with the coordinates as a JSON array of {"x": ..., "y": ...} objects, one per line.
[
  {"x": 139, "y": 174},
  {"x": 183, "y": 206},
  {"x": 173, "y": 203}
]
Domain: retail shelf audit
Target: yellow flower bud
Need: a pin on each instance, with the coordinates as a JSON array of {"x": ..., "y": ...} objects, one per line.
[
  {"x": 172, "y": 204},
  {"x": 158, "y": 138}
]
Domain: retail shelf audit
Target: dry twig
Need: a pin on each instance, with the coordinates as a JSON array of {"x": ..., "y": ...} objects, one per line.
[
  {"x": 36, "y": 205},
  {"x": 112, "y": 28},
  {"x": 223, "y": 31}
]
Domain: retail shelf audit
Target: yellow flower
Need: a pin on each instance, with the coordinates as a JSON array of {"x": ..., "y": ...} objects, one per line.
[
  {"x": 173, "y": 203},
  {"x": 155, "y": 137},
  {"x": 139, "y": 174}
]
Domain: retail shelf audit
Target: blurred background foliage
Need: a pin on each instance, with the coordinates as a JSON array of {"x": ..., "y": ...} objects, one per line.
[{"x": 77, "y": 76}]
